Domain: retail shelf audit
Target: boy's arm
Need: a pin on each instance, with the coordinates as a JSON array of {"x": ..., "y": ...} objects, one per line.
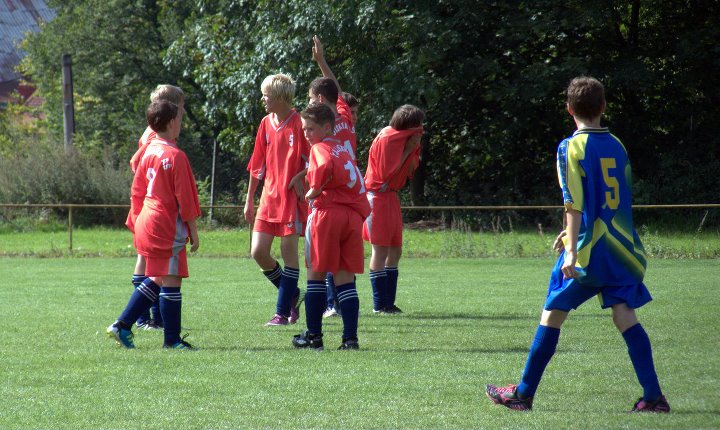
[
  {"x": 249, "y": 210},
  {"x": 298, "y": 182},
  {"x": 194, "y": 238},
  {"x": 573, "y": 219},
  {"x": 319, "y": 56}
]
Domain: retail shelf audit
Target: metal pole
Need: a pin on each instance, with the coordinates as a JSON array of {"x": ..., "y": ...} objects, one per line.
[
  {"x": 68, "y": 104},
  {"x": 212, "y": 181},
  {"x": 70, "y": 228}
]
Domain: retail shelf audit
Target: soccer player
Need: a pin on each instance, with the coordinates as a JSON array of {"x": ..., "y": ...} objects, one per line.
[
  {"x": 175, "y": 95},
  {"x": 279, "y": 158},
  {"x": 393, "y": 158},
  {"x": 327, "y": 90},
  {"x": 333, "y": 237},
  {"x": 600, "y": 251},
  {"x": 164, "y": 205}
]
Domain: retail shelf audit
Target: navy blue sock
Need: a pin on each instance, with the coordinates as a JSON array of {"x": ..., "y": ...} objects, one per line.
[
  {"x": 274, "y": 275},
  {"x": 138, "y": 279},
  {"x": 314, "y": 306},
  {"x": 288, "y": 290},
  {"x": 392, "y": 278},
  {"x": 541, "y": 351},
  {"x": 638, "y": 344},
  {"x": 378, "y": 281},
  {"x": 330, "y": 287},
  {"x": 350, "y": 308},
  {"x": 171, "y": 309},
  {"x": 140, "y": 301},
  {"x": 155, "y": 312}
]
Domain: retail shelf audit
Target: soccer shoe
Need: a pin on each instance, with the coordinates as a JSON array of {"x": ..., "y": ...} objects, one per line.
[
  {"x": 392, "y": 310},
  {"x": 507, "y": 396},
  {"x": 330, "y": 312},
  {"x": 123, "y": 337},
  {"x": 182, "y": 344},
  {"x": 150, "y": 324},
  {"x": 278, "y": 320},
  {"x": 660, "y": 406},
  {"x": 307, "y": 340},
  {"x": 351, "y": 343},
  {"x": 295, "y": 309},
  {"x": 379, "y": 311}
]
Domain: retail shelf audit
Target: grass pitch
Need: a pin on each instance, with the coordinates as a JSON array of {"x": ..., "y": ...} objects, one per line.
[{"x": 467, "y": 323}]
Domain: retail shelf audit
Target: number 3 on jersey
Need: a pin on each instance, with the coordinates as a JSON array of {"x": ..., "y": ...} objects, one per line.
[
  {"x": 612, "y": 197},
  {"x": 354, "y": 174},
  {"x": 151, "y": 179}
]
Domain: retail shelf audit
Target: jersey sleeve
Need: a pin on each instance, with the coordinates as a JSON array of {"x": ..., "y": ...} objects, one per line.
[
  {"x": 344, "y": 110},
  {"x": 570, "y": 174},
  {"x": 320, "y": 169},
  {"x": 257, "y": 165},
  {"x": 185, "y": 188}
]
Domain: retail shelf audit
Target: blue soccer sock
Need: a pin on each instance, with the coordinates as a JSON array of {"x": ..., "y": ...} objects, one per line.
[
  {"x": 140, "y": 301},
  {"x": 541, "y": 351},
  {"x": 287, "y": 291},
  {"x": 378, "y": 281},
  {"x": 640, "y": 350},
  {"x": 138, "y": 279},
  {"x": 314, "y": 306},
  {"x": 392, "y": 280},
  {"x": 171, "y": 309},
  {"x": 274, "y": 274},
  {"x": 350, "y": 308},
  {"x": 330, "y": 290}
]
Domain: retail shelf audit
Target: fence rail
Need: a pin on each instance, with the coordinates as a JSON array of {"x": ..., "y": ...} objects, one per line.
[{"x": 71, "y": 206}]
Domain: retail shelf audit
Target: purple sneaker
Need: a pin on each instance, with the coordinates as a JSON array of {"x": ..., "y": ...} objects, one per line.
[
  {"x": 507, "y": 396},
  {"x": 295, "y": 310},
  {"x": 659, "y": 406},
  {"x": 278, "y": 320}
]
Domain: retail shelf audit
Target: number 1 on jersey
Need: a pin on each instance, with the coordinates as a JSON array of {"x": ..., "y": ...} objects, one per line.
[
  {"x": 354, "y": 174},
  {"x": 151, "y": 179}
]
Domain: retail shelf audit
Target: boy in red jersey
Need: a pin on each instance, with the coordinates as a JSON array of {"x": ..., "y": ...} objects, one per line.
[
  {"x": 279, "y": 158},
  {"x": 163, "y": 208},
  {"x": 175, "y": 95},
  {"x": 393, "y": 158},
  {"x": 333, "y": 237}
]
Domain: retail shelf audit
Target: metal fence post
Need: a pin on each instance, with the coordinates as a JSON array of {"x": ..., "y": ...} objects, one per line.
[{"x": 70, "y": 226}]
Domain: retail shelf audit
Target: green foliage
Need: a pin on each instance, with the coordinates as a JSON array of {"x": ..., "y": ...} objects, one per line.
[{"x": 489, "y": 74}]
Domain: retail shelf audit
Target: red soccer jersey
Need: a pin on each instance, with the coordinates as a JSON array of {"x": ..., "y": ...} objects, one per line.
[
  {"x": 344, "y": 129},
  {"x": 146, "y": 137},
  {"x": 163, "y": 198},
  {"x": 333, "y": 169},
  {"x": 386, "y": 170},
  {"x": 280, "y": 153}
]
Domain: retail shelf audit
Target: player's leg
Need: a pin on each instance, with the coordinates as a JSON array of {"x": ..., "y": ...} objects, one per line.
[
  {"x": 171, "y": 309},
  {"x": 349, "y": 303},
  {"x": 288, "y": 292},
  {"x": 378, "y": 277},
  {"x": 391, "y": 272},
  {"x": 260, "y": 252},
  {"x": 640, "y": 351},
  {"x": 137, "y": 279},
  {"x": 314, "y": 306},
  {"x": 331, "y": 308}
]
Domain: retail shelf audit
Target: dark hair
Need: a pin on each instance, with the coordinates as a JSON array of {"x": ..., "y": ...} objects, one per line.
[
  {"x": 350, "y": 99},
  {"x": 407, "y": 116},
  {"x": 319, "y": 113},
  {"x": 586, "y": 97},
  {"x": 325, "y": 87},
  {"x": 159, "y": 114}
]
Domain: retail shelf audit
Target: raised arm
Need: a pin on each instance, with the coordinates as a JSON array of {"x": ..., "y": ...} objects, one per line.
[{"x": 318, "y": 53}]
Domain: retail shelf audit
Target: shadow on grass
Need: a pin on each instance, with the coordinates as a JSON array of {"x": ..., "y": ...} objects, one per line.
[{"x": 468, "y": 316}]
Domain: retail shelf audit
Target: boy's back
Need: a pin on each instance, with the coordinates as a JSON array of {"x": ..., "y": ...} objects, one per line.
[{"x": 595, "y": 177}]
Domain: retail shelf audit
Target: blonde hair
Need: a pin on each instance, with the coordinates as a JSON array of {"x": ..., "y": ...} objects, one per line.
[
  {"x": 279, "y": 86},
  {"x": 170, "y": 93}
]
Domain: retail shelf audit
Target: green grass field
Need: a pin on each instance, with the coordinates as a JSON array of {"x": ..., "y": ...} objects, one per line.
[{"x": 468, "y": 322}]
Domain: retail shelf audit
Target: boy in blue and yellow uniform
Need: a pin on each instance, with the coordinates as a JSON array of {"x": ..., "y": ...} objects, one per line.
[{"x": 600, "y": 252}]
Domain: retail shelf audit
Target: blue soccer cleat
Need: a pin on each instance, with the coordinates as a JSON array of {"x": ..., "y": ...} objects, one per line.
[{"x": 123, "y": 336}]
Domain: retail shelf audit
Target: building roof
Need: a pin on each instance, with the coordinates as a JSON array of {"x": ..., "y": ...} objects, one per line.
[{"x": 17, "y": 17}]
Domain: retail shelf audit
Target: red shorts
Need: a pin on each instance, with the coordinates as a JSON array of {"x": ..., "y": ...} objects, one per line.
[
  {"x": 167, "y": 266},
  {"x": 333, "y": 241},
  {"x": 384, "y": 225},
  {"x": 277, "y": 229}
]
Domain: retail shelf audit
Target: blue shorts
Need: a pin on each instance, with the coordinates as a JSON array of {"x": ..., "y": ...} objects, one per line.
[{"x": 567, "y": 294}]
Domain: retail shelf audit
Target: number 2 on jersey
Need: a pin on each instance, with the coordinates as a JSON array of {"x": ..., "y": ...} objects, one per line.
[
  {"x": 612, "y": 197},
  {"x": 354, "y": 174}
]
